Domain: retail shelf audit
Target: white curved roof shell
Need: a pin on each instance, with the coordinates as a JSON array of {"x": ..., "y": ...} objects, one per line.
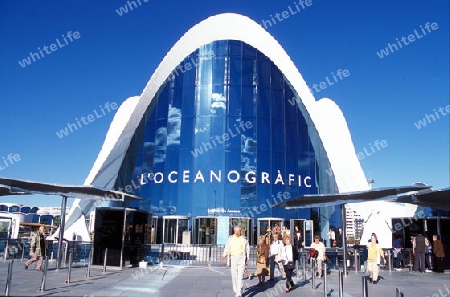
[{"x": 324, "y": 114}]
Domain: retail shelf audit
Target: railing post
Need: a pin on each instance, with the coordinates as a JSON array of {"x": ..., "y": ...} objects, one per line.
[
  {"x": 325, "y": 290},
  {"x": 6, "y": 251},
  {"x": 209, "y": 258},
  {"x": 104, "y": 260},
  {"x": 313, "y": 269},
  {"x": 341, "y": 283},
  {"x": 389, "y": 261},
  {"x": 70, "y": 267},
  {"x": 9, "y": 278},
  {"x": 44, "y": 275},
  {"x": 88, "y": 272},
  {"x": 23, "y": 250},
  {"x": 304, "y": 267},
  {"x": 364, "y": 286}
]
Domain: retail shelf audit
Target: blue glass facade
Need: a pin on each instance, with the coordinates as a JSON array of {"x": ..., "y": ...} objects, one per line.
[{"x": 224, "y": 137}]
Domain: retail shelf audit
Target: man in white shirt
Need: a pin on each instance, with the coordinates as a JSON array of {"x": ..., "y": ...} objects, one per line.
[
  {"x": 276, "y": 256},
  {"x": 237, "y": 251}
]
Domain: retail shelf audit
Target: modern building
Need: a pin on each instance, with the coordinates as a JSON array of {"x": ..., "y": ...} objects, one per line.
[
  {"x": 354, "y": 223},
  {"x": 225, "y": 129}
]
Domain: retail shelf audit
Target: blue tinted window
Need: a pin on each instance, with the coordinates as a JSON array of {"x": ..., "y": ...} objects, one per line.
[
  {"x": 235, "y": 101},
  {"x": 248, "y": 71},
  {"x": 236, "y": 70},
  {"x": 235, "y": 48},
  {"x": 263, "y": 102},
  {"x": 263, "y": 128},
  {"x": 248, "y": 101}
]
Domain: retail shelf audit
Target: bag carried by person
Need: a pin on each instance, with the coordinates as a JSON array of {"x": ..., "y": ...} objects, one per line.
[
  {"x": 290, "y": 265},
  {"x": 313, "y": 253},
  {"x": 261, "y": 260}
]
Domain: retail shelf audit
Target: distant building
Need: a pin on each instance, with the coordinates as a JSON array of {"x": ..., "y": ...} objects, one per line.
[{"x": 354, "y": 223}]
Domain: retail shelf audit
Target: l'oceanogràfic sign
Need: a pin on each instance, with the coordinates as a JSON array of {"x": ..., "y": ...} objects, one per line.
[{"x": 232, "y": 176}]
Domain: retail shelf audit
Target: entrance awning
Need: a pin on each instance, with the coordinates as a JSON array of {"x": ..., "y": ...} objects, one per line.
[
  {"x": 321, "y": 200},
  {"x": 17, "y": 186}
]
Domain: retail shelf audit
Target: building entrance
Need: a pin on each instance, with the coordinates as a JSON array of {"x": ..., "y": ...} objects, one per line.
[
  {"x": 173, "y": 228},
  {"x": 205, "y": 230},
  {"x": 264, "y": 223}
]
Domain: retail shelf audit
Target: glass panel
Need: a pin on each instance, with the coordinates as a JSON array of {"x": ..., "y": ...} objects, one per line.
[
  {"x": 277, "y": 78},
  {"x": 248, "y": 50},
  {"x": 236, "y": 70},
  {"x": 188, "y": 100},
  {"x": 278, "y": 135},
  {"x": 203, "y": 100},
  {"x": 25, "y": 209},
  {"x": 218, "y": 102},
  {"x": 219, "y": 68},
  {"x": 234, "y": 139},
  {"x": 263, "y": 99},
  {"x": 264, "y": 131},
  {"x": 277, "y": 104},
  {"x": 248, "y": 71},
  {"x": 248, "y": 101},
  {"x": 183, "y": 225},
  {"x": 205, "y": 71},
  {"x": 206, "y": 230},
  {"x": 235, "y": 47},
  {"x": 163, "y": 103},
  {"x": 235, "y": 100},
  {"x": 308, "y": 232},
  {"x": 221, "y": 48},
  {"x": 291, "y": 141},
  {"x": 170, "y": 226},
  {"x": 263, "y": 65}
]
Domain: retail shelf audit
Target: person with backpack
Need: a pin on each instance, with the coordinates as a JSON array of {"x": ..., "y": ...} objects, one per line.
[{"x": 290, "y": 258}]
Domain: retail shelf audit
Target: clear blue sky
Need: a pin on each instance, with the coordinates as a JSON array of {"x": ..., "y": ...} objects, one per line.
[{"x": 114, "y": 57}]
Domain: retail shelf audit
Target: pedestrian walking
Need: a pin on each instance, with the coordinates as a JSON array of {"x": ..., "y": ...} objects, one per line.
[
  {"x": 236, "y": 254},
  {"x": 262, "y": 260},
  {"x": 276, "y": 256},
  {"x": 374, "y": 255},
  {"x": 290, "y": 257},
  {"x": 38, "y": 249}
]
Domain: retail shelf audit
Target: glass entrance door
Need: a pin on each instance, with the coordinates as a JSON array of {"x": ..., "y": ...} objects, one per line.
[
  {"x": 173, "y": 228},
  {"x": 205, "y": 229},
  {"x": 263, "y": 223},
  {"x": 296, "y": 227},
  {"x": 308, "y": 232},
  {"x": 153, "y": 229}
]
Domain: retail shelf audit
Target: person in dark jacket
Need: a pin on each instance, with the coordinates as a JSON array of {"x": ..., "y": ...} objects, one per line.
[
  {"x": 438, "y": 251},
  {"x": 420, "y": 245},
  {"x": 291, "y": 256}
]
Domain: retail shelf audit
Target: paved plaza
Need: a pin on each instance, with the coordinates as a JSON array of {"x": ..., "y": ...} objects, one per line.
[{"x": 203, "y": 281}]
